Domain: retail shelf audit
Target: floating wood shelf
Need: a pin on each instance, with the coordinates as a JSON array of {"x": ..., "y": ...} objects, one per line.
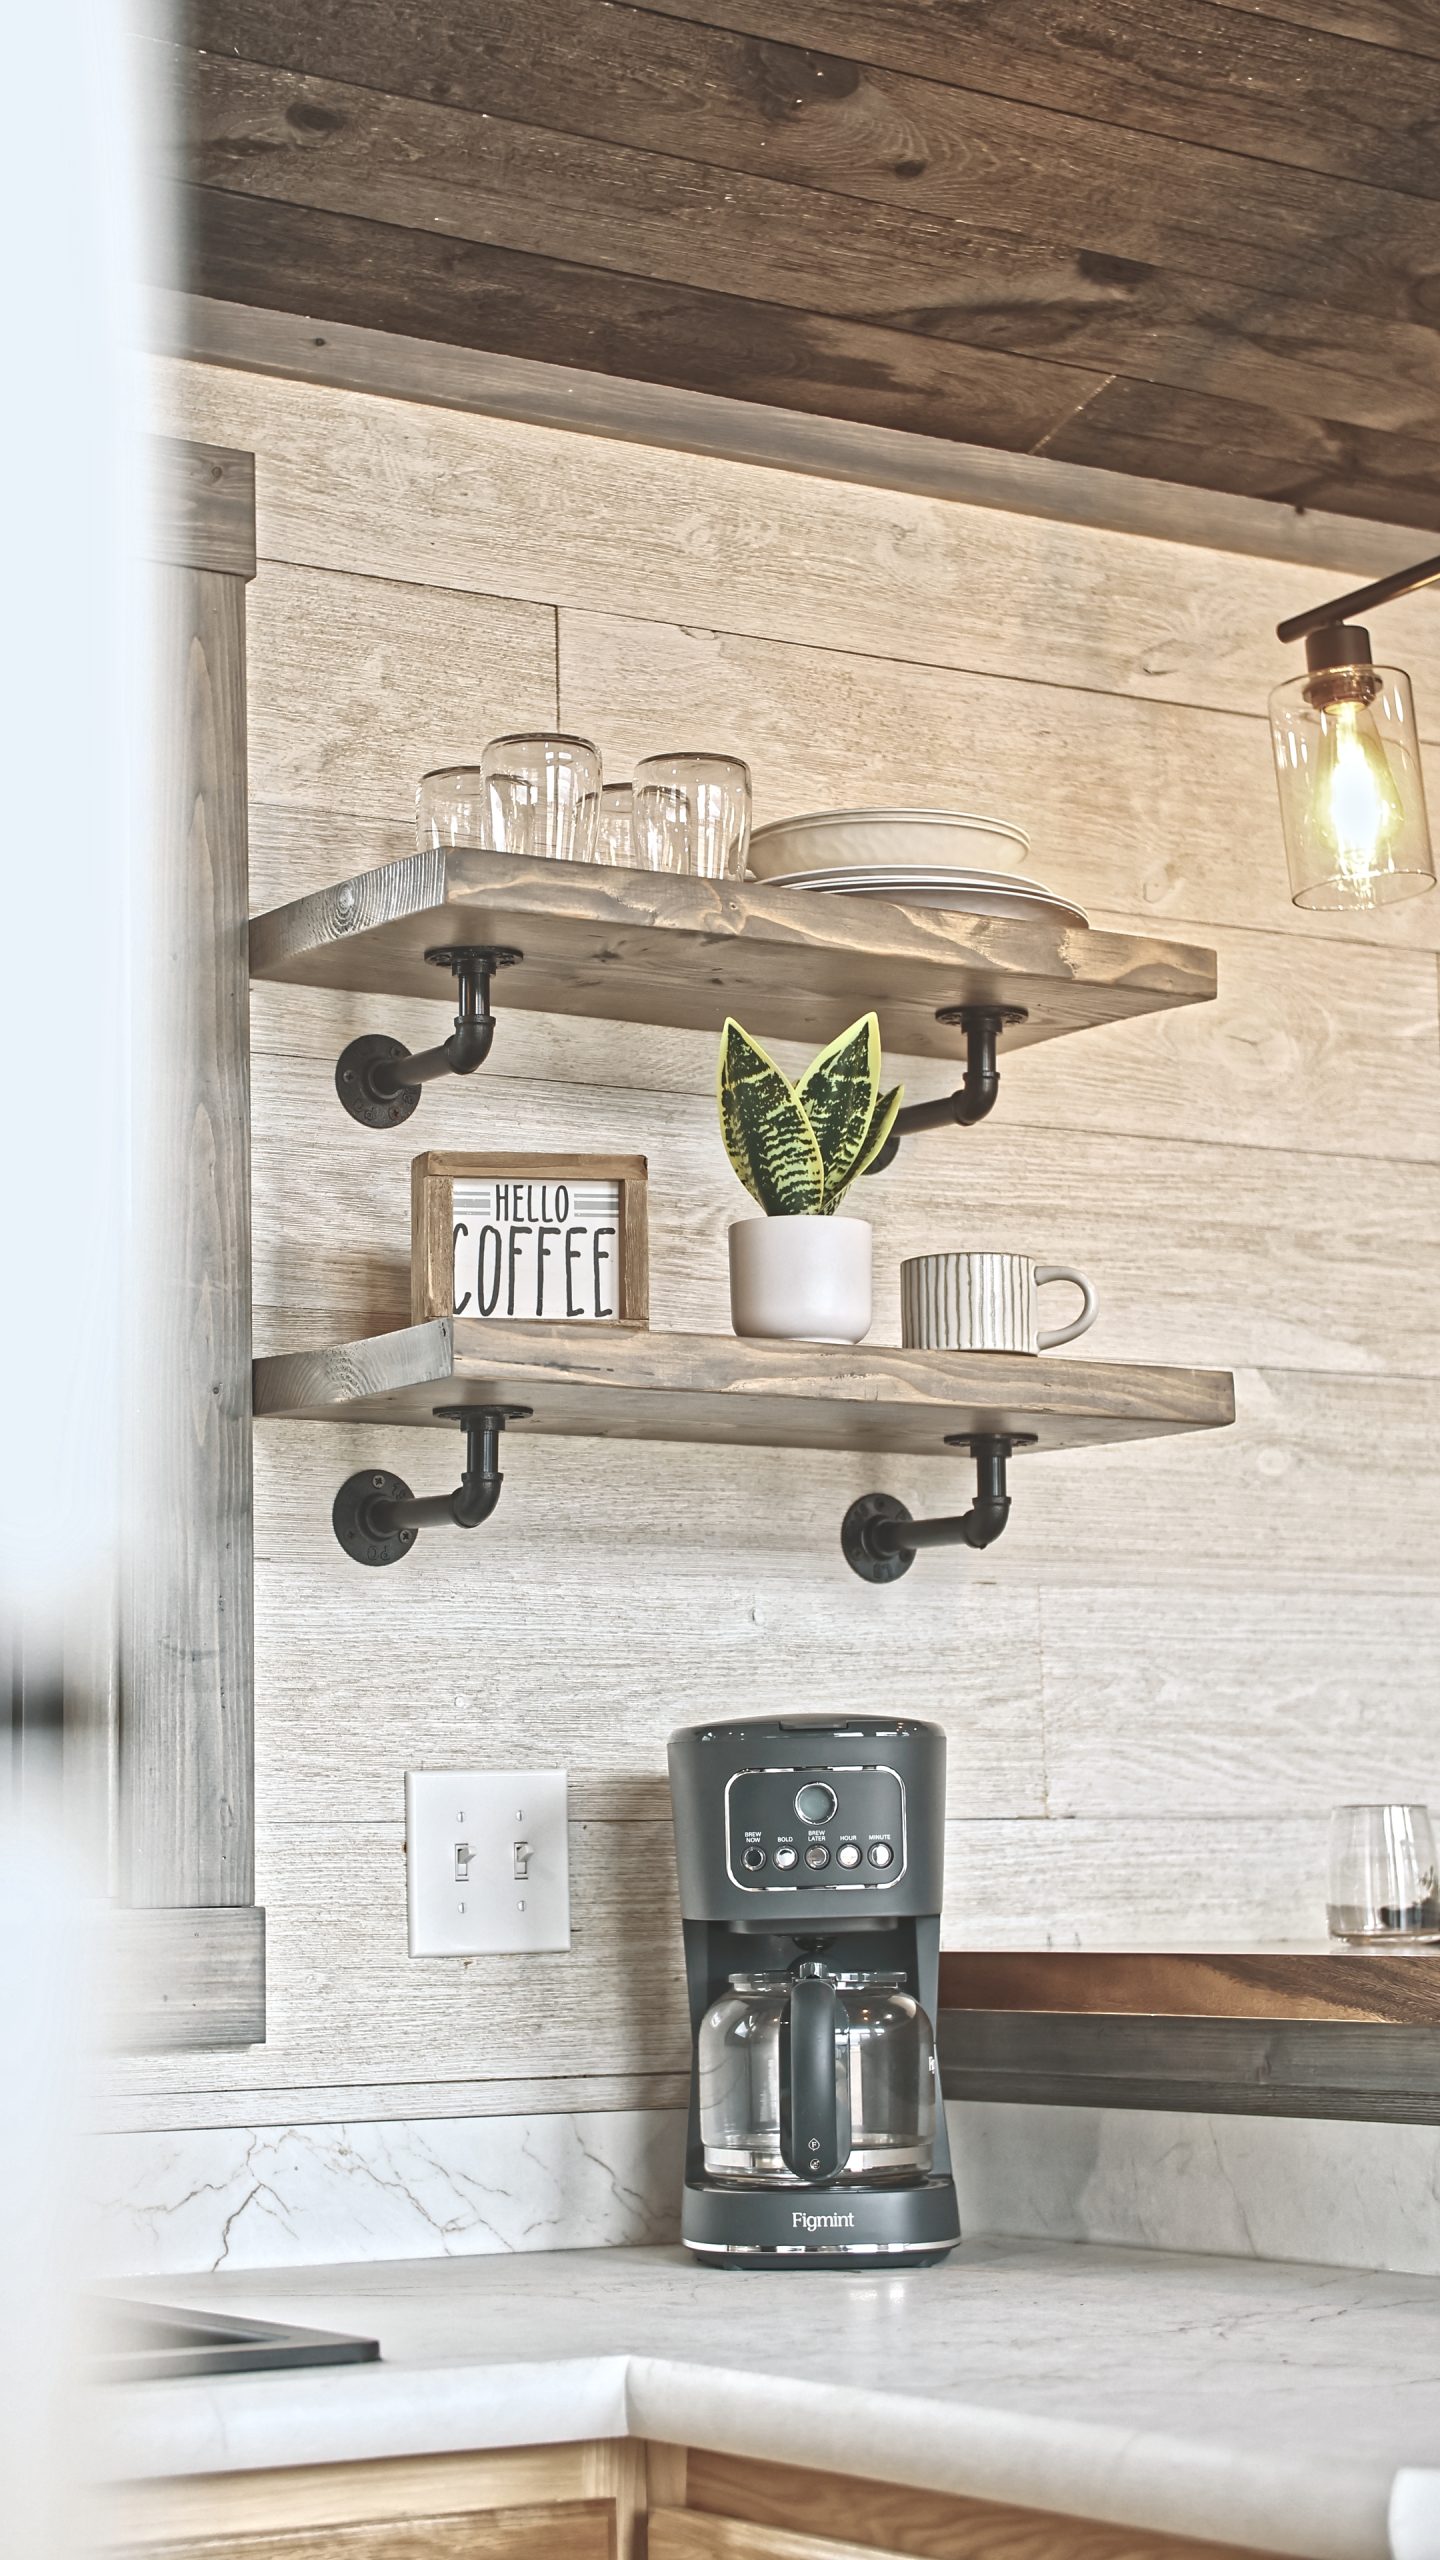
[
  {"x": 638, "y": 946},
  {"x": 624, "y": 1383},
  {"x": 1398, "y": 1984}
]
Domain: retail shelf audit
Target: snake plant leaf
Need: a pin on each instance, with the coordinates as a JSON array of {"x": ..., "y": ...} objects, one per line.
[
  {"x": 880, "y": 1128},
  {"x": 767, "y": 1136},
  {"x": 837, "y": 1095}
]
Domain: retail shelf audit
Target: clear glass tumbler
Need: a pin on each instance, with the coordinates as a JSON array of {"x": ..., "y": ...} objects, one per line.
[
  {"x": 450, "y": 810},
  {"x": 1382, "y": 1872},
  {"x": 692, "y": 813},
  {"x": 614, "y": 832},
  {"x": 542, "y": 796}
]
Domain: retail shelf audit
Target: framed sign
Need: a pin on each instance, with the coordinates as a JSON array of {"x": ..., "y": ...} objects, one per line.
[{"x": 533, "y": 1236}]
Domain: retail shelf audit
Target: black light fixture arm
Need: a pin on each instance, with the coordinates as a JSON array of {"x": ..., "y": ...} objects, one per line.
[
  {"x": 880, "y": 1540},
  {"x": 1328, "y": 617},
  {"x": 979, "y": 1089},
  {"x": 379, "y": 1079},
  {"x": 376, "y": 1516}
]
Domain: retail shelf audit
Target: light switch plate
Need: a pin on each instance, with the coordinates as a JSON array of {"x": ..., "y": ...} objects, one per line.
[{"x": 487, "y": 1861}]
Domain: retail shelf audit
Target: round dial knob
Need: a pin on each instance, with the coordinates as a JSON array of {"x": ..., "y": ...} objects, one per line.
[
  {"x": 815, "y": 1803},
  {"x": 847, "y": 1855}
]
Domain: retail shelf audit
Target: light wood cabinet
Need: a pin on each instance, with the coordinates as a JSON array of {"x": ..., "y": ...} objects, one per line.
[
  {"x": 578, "y": 2530},
  {"x": 611, "y": 2500}
]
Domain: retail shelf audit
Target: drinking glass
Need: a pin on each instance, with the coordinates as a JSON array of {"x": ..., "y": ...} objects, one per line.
[
  {"x": 542, "y": 796},
  {"x": 1382, "y": 1872},
  {"x": 692, "y": 813},
  {"x": 614, "y": 832},
  {"x": 450, "y": 810}
]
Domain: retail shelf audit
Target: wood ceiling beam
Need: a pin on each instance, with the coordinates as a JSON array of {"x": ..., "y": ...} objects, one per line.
[{"x": 446, "y": 172}]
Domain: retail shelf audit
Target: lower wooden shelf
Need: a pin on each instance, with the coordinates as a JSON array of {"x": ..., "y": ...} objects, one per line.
[
  {"x": 1400, "y": 1985},
  {"x": 626, "y": 1383}
]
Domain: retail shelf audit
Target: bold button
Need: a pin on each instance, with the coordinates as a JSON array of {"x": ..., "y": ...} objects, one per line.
[
  {"x": 882, "y": 1855},
  {"x": 785, "y": 1859},
  {"x": 815, "y": 1803},
  {"x": 754, "y": 1859},
  {"x": 847, "y": 1854},
  {"x": 816, "y": 1855}
]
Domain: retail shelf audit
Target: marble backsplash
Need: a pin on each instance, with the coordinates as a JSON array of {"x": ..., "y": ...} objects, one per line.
[{"x": 319, "y": 2194}]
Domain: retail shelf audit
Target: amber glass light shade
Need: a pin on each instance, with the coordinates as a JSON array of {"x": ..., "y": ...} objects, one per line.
[{"x": 1352, "y": 800}]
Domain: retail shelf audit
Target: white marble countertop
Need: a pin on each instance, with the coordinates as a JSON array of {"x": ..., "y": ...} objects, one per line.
[{"x": 1237, "y": 2399}]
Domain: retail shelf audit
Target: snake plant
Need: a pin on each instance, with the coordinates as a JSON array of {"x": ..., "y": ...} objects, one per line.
[{"x": 798, "y": 1147}]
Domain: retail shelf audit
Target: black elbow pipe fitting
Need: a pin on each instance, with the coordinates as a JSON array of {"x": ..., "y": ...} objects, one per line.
[
  {"x": 379, "y": 1080},
  {"x": 880, "y": 1540},
  {"x": 376, "y": 1517},
  {"x": 979, "y": 1087}
]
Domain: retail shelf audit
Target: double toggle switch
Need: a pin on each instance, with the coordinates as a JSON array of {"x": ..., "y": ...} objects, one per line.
[
  {"x": 520, "y": 1853},
  {"x": 487, "y": 1861}
]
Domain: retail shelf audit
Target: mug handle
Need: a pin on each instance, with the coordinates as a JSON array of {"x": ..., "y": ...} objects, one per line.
[{"x": 1088, "y": 1313}]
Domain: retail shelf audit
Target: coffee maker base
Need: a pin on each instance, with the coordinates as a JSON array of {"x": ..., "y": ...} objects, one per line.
[
  {"x": 894, "y": 2258},
  {"x": 833, "y": 2226}
]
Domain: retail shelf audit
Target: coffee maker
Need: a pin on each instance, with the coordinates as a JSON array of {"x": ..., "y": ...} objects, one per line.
[{"x": 810, "y": 1852}]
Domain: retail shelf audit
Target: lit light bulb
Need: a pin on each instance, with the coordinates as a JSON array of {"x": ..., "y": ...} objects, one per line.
[{"x": 1358, "y": 816}]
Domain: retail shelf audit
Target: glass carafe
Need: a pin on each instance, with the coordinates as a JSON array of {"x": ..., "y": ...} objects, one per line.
[{"x": 816, "y": 2076}]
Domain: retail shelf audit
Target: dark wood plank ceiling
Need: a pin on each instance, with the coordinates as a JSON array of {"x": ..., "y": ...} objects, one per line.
[{"x": 1197, "y": 240}]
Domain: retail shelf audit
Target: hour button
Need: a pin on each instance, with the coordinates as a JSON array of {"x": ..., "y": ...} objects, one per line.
[{"x": 848, "y": 1854}]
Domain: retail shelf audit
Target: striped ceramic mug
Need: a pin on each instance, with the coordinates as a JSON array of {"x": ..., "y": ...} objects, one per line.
[{"x": 984, "y": 1302}]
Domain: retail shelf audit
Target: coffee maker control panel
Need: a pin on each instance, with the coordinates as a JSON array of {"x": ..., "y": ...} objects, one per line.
[{"x": 790, "y": 1830}]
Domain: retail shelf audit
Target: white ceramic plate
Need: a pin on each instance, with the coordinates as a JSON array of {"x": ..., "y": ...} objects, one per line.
[
  {"x": 960, "y": 898},
  {"x": 841, "y": 838},
  {"x": 886, "y": 875}
]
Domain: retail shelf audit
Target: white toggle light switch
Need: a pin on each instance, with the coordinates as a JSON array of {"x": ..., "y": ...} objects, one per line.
[{"x": 487, "y": 1861}]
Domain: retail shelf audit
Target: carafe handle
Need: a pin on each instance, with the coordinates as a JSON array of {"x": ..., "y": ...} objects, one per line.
[{"x": 813, "y": 2144}]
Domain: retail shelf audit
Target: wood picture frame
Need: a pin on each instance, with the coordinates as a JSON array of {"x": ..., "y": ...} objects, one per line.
[{"x": 525, "y": 1284}]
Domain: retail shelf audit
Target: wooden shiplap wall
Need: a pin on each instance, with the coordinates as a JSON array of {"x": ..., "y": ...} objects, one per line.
[{"x": 1181, "y": 1654}]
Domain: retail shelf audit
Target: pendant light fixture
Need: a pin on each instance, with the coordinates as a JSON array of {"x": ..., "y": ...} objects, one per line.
[{"x": 1347, "y": 759}]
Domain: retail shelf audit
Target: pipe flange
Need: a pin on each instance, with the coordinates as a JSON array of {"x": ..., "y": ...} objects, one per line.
[
  {"x": 855, "y": 1547},
  {"x": 1003, "y": 1016},
  {"x": 980, "y": 1443},
  {"x": 468, "y": 1414},
  {"x": 485, "y": 957},
  {"x": 352, "y": 1517},
  {"x": 354, "y": 1082}
]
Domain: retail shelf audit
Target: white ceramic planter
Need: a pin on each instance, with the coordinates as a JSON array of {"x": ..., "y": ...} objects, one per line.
[{"x": 801, "y": 1279}]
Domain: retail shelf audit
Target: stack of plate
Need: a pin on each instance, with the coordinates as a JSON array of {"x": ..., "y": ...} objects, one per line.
[{"x": 914, "y": 857}]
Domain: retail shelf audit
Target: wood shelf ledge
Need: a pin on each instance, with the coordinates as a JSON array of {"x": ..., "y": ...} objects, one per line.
[
  {"x": 640, "y": 946},
  {"x": 1395, "y": 1984},
  {"x": 613, "y": 1382}
]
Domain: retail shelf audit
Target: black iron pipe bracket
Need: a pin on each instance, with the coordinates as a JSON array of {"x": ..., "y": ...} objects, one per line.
[
  {"x": 379, "y": 1079},
  {"x": 976, "y": 1096},
  {"x": 377, "y": 1518},
  {"x": 880, "y": 1540}
]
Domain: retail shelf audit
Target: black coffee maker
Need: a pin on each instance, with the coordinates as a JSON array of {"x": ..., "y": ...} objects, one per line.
[{"x": 810, "y": 1852}]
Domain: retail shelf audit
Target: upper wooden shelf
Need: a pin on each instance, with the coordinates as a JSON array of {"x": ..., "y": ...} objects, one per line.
[
  {"x": 638, "y": 946},
  {"x": 1394, "y": 1983},
  {"x": 625, "y": 1383}
]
